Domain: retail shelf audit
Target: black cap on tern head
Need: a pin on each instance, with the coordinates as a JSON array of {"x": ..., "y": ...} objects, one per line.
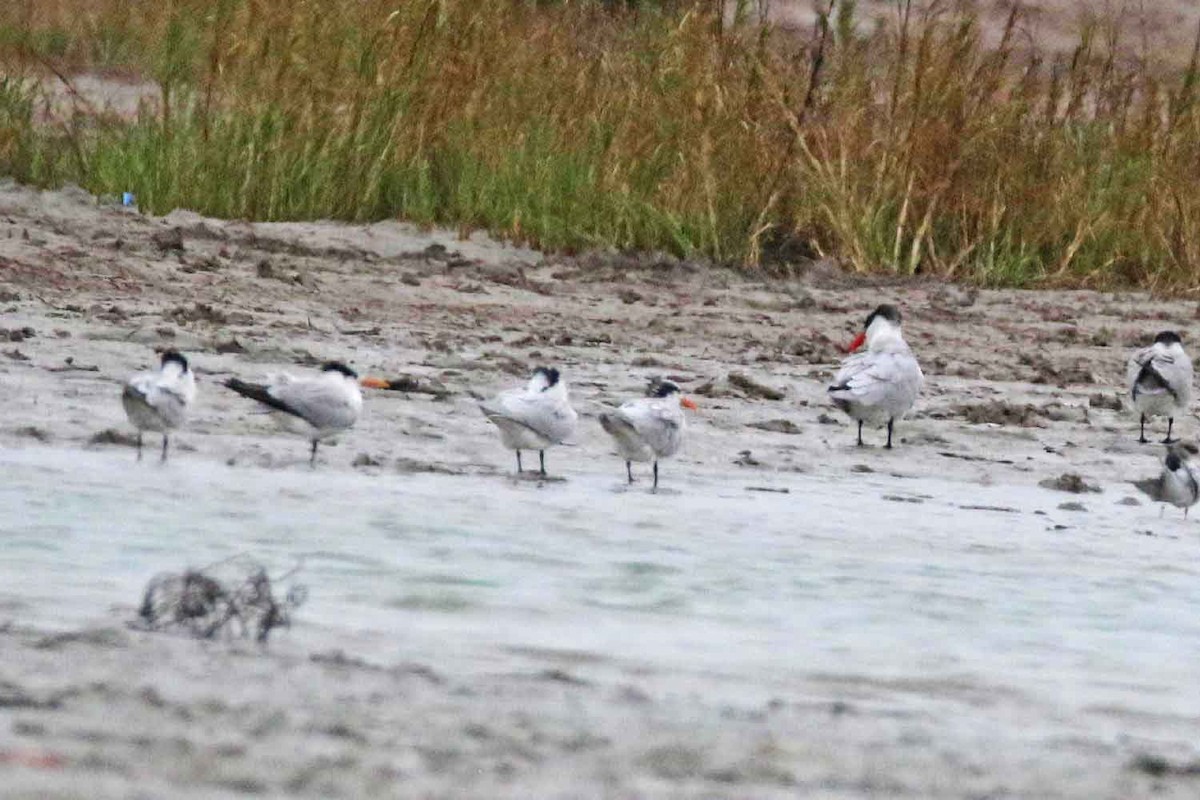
[
  {"x": 177, "y": 357},
  {"x": 1174, "y": 462},
  {"x": 337, "y": 366},
  {"x": 664, "y": 389},
  {"x": 1168, "y": 337},
  {"x": 550, "y": 373},
  {"x": 887, "y": 311}
]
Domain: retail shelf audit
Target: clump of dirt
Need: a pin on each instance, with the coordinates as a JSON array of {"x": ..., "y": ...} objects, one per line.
[
  {"x": 1047, "y": 372},
  {"x": 753, "y": 388},
  {"x": 233, "y": 597},
  {"x": 1160, "y": 767},
  {"x": 1000, "y": 412},
  {"x": 168, "y": 240},
  {"x": 199, "y": 312},
  {"x": 113, "y": 436},
  {"x": 814, "y": 347},
  {"x": 18, "y": 334},
  {"x": 1069, "y": 482},
  {"x": 777, "y": 426},
  {"x": 1109, "y": 401}
]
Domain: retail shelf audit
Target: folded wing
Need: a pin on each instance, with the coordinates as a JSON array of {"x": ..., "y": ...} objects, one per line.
[
  {"x": 656, "y": 423},
  {"x": 166, "y": 398},
  {"x": 1152, "y": 372},
  {"x": 541, "y": 414},
  {"x": 877, "y": 379}
]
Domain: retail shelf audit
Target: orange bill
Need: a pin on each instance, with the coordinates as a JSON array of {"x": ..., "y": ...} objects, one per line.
[
  {"x": 688, "y": 402},
  {"x": 371, "y": 382}
]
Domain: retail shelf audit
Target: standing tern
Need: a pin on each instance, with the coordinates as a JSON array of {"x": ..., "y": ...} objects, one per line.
[
  {"x": 324, "y": 405},
  {"x": 1179, "y": 482},
  {"x": 1160, "y": 381},
  {"x": 158, "y": 400},
  {"x": 881, "y": 384},
  {"x": 534, "y": 418},
  {"x": 649, "y": 428}
]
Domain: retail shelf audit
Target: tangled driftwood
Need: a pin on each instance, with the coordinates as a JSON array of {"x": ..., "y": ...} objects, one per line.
[{"x": 232, "y": 597}]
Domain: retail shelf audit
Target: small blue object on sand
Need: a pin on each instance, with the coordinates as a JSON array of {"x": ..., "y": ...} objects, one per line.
[{"x": 127, "y": 198}]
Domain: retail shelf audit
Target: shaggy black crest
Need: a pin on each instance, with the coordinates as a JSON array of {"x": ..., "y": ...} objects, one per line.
[
  {"x": 177, "y": 357},
  {"x": 887, "y": 311},
  {"x": 1174, "y": 462},
  {"x": 665, "y": 389},
  {"x": 337, "y": 366},
  {"x": 1168, "y": 337},
  {"x": 551, "y": 375}
]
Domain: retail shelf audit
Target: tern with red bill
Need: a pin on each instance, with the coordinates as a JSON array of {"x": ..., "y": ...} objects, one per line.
[
  {"x": 535, "y": 417},
  {"x": 649, "y": 428},
  {"x": 318, "y": 406},
  {"x": 1160, "y": 381},
  {"x": 880, "y": 385},
  {"x": 159, "y": 400}
]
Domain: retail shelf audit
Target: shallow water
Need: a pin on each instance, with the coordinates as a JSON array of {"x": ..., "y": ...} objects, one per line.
[{"x": 837, "y": 588}]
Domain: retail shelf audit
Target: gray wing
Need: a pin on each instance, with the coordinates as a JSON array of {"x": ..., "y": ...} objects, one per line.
[
  {"x": 658, "y": 424},
  {"x": 321, "y": 403},
  {"x": 1134, "y": 367},
  {"x": 878, "y": 379},
  {"x": 540, "y": 413},
  {"x": 1152, "y": 371},
  {"x": 166, "y": 397}
]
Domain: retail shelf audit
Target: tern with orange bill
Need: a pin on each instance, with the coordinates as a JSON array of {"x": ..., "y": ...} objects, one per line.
[
  {"x": 535, "y": 417},
  {"x": 318, "y": 406},
  {"x": 649, "y": 428},
  {"x": 159, "y": 400},
  {"x": 880, "y": 385}
]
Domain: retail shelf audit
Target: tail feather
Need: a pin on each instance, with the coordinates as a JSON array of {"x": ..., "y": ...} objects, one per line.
[
  {"x": 616, "y": 425},
  {"x": 1149, "y": 381},
  {"x": 131, "y": 392},
  {"x": 259, "y": 392}
]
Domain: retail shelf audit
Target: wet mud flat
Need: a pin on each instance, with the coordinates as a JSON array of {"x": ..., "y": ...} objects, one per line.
[{"x": 790, "y": 614}]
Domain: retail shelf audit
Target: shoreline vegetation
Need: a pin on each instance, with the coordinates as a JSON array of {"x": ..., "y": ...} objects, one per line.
[{"x": 919, "y": 144}]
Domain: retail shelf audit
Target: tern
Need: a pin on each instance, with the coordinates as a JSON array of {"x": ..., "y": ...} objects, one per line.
[
  {"x": 882, "y": 384},
  {"x": 324, "y": 405},
  {"x": 1160, "y": 381},
  {"x": 535, "y": 417},
  {"x": 158, "y": 400},
  {"x": 649, "y": 428},
  {"x": 1179, "y": 482}
]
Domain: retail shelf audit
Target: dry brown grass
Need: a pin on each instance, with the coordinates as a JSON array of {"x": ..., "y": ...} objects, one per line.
[{"x": 923, "y": 145}]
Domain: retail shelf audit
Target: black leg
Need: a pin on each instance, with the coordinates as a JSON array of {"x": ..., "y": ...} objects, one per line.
[
  {"x": 629, "y": 470},
  {"x": 542, "y": 460},
  {"x": 518, "y": 462},
  {"x": 891, "y": 422},
  {"x": 1142, "y": 437},
  {"x": 860, "y": 444},
  {"x": 312, "y": 460},
  {"x": 1170, "y": 425},
  {"x": 139, "y": 446},
  {"x": 656, "y": 474},
  {"x": 166, "y": 443}
]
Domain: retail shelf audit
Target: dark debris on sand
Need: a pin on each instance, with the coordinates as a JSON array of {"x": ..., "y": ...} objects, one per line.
[
  {"x": 234, "y": 598},
  {"x": 1069, "y": 482}
]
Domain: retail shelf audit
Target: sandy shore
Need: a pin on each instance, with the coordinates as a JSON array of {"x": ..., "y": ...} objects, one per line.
[{"x": 1022, "y": 388}]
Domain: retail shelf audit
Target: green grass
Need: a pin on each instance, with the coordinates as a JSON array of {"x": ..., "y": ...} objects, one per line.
[{"x": 911, "y": 148}]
